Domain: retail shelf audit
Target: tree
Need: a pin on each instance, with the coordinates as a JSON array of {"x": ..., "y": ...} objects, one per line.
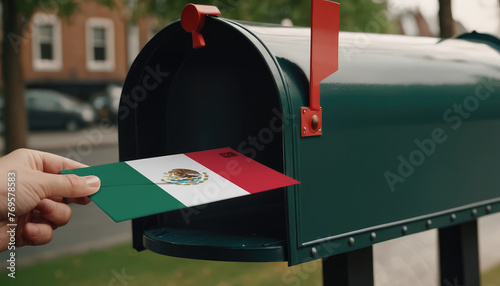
[
  {"x": 446, "y": 22},
  {"x": 16, "y": 17},
  {"x": 355, "y": 14},
  {"x": 14, "y": 106}
]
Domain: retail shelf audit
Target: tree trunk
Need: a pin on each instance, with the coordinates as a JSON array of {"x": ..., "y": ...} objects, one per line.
[
  {"x": 446, "y": 22},
  {"x": 15, "y": 115}
]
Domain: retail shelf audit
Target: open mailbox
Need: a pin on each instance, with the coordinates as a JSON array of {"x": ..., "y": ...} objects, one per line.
[{"x": 410, "y": 135}]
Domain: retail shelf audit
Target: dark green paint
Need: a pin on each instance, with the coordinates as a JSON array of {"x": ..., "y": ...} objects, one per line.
[
  {"x": 210, "y": 245},
  {"x": 389, "y": 92}
]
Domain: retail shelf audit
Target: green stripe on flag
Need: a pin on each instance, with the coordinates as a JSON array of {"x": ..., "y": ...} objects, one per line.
[
  {"x": 116, "y": 174},
  {"x": 126, "y": 202},
  {"x": 126, "y": 193}
]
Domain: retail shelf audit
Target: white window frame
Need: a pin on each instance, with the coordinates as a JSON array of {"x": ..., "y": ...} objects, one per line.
[
  {"x": 109, "y": 64},
  {"x": 40, "y": 64}
]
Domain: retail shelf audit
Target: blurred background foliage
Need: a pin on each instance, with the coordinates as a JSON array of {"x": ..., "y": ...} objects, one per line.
[{"x": 355, "y": 14}]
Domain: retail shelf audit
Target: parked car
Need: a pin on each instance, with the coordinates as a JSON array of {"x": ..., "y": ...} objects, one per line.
[
  {"x": 49, "y": 109},
  {"x": 106, "y": 102}
]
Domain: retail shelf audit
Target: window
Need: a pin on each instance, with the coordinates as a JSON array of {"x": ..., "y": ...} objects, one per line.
[
  {"x": 46, "y": 42},
  {"x": 100, "y": 45},
  {"x": 47, "y": 50}
]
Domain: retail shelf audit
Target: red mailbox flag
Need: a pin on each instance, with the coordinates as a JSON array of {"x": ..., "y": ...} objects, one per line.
[
  {"x": 324, "y": 59},
  {"x": 324, "y": 45}
]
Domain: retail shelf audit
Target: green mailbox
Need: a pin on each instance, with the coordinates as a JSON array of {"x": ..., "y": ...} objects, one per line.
[{"x": 410, "y": 136}]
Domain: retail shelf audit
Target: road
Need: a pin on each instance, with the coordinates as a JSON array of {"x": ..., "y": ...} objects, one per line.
[{"x": 411, "y": 260}]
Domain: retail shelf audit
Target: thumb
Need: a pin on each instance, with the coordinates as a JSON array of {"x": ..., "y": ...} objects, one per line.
[{"x": 69, "y": 186}]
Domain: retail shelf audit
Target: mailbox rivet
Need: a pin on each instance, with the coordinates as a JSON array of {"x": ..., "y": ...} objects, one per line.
[
  {"x": 453, "y": 217},
  {"x": 488, "y": 209},
  {"x": 304, "y": 129},
  {"x": 314, "y": 122},
  {"x": 373, "y": 236},
  {"x": 429, "y": 223},
  {"x": 314, "y": 252},
  {"x": 473, "y": 212},
  {"x": 351, "y": 241},
  {"x": 404, "y": 229},
  {"x": 304, "y": 111}
]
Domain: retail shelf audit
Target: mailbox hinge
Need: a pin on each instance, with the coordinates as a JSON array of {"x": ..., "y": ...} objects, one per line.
[{"x": 193, "y": 18}]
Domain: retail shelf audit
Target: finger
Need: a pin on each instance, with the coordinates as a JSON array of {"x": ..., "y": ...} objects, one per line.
[
  {"x": 51, "y": 163},
  {"x": 38, "y": 233},
  {"x": 57, "y": 199},
  {"x": 79, "y": 201},
  {"x": 56, "y": 213},
  {"x": 34, "y": 216},
  {"x": 70, "y": 186}
]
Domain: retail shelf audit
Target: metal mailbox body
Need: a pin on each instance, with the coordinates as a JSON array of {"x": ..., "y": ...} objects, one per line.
[{"x": 411, "y": 133}]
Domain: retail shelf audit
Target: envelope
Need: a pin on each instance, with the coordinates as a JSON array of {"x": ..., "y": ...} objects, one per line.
[{"x": 138, "y": 188}]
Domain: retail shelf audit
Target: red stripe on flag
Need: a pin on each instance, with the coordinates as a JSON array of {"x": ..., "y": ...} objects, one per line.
[{"x": 247, "y": 174}]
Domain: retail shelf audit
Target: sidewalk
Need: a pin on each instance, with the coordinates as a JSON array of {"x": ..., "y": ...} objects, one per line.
[
  {"x": 81, "y": 140},
  {"x": 414, "y": 259}
]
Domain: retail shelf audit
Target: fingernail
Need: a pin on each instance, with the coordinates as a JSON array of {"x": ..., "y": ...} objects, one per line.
[{"x": 93, "y": 181}]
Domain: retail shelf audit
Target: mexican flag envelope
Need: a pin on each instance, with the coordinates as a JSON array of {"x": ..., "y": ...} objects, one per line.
[{"x": 144, "y": 187}]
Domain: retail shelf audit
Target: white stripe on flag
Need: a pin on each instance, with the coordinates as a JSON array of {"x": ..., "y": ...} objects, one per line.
[{"x": 216, "y": 188}]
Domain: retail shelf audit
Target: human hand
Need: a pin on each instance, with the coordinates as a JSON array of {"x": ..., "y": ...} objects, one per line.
[{"x": 41, "y": 195}]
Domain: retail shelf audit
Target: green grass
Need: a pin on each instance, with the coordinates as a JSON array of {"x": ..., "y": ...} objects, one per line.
[
  {"x": 150, "y": 269},
  {"x": 491, "y": 278},
  {"x": 104, "y": 267}
]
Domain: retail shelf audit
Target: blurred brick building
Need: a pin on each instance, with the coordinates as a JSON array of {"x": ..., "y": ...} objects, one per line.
[{"x": 84, "y": 53}]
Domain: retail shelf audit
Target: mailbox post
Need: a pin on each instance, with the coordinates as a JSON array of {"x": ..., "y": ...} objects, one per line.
[{"x": 408, "y": 141}]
